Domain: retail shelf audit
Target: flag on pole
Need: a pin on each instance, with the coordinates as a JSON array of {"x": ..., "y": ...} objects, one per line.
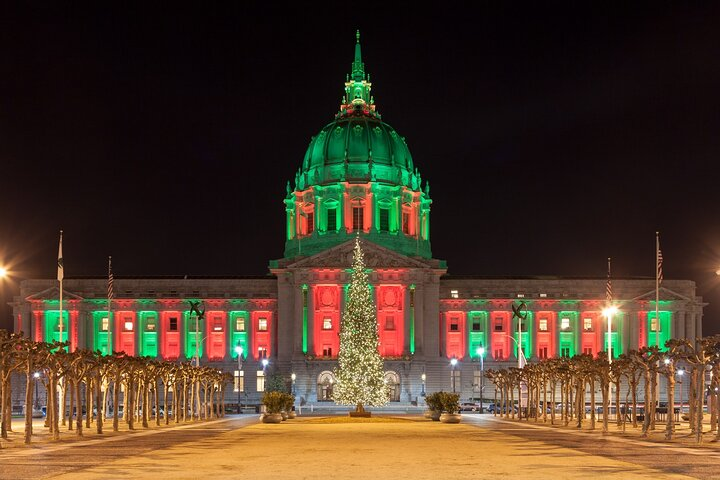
[
  {"x": 61, "y": 270},
  {"x": 659, "y": 262},
  {"x": 608, "y": 287},
  {"x": 111, "y": 280}
]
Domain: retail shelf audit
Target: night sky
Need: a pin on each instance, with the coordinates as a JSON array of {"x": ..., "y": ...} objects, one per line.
[{"x": 553, "y": 136}]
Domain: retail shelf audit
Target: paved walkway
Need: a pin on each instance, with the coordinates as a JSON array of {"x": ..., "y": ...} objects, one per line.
[{"x": 313, "y": 447}]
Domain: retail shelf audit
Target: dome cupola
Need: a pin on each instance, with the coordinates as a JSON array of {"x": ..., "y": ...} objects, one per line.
[{"x": 357, "y": 176}]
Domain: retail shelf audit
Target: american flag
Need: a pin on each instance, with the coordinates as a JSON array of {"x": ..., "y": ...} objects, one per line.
[
  {"x": 111, "y": 280},
  {"x": 608, "y": 287},
  {"x": 61, "y": 268},
  {"x": 659, "y": 263}
]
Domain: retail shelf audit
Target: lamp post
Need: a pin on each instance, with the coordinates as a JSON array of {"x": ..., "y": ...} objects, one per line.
[
  {"x": 423, "y": 377},
  {"x": 239, "y": 351},
  {"x": 453, "y": 362},
  {"x": 608, "y": 312},
  {"x": 293, "y": 377},
  {"x": 36, "y": 375},
  {"x": 681, "y": 373},
  {"x": 481, "y": 353}
]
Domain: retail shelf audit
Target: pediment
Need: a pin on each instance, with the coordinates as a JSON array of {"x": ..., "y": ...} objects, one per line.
[
  {"x": 341, "y": 256},
  {"x": 53, "y": 293},
  {"x": 665, "y": 294}
]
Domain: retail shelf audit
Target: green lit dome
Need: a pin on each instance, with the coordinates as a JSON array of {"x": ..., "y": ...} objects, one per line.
[{"x": 357, "y": 146}]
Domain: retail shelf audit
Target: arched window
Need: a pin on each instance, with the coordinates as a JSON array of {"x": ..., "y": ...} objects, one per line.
[
  {"x": 326, "y": 381},
  {"x": 392, "y": 380}
]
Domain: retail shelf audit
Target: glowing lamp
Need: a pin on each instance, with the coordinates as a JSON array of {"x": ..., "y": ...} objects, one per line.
[
  {"x": 264, "y": 362},
  {"x": 480, "y": 351},
  {"x": 453, "y": 361},
  {"x": 610, "y": 311},
  {"x": 36, "y": 374},
  {"x": 293, "y": 376},
  {"x": 3, "y": 272},
  {"x": 239, "y": 350},
  {"x": 681, "y": 372}
]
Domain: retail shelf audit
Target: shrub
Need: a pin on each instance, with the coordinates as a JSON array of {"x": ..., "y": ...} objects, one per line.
[
  {"x": 288, "y": 401},
  {"x": 274, "y": 401},
  {"x": 449, "y": 402}
]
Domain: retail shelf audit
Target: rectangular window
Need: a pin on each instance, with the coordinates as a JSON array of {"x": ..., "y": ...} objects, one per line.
[
  {"x": 499, "y": 354},
  {"x": 217, "y": 325},
  {"x": 454, "y": 326},
  {"x": 543, "y": 352},
  {"x": 389, "y": 323},
  {"x": 262, "y": 324},
  {"x": 260, "y": 381},
  {"x": 476, "y": 325},
  {"x": 173, "y": 324},
  {"x": 454, "y": 294},
  {"x": 543, "y": 325},
  {"x": 384, "y": 219},
  {"x": 128, "y": 326},
  {"x": 477, "y": 380},
  {"x": 239, "y": 324},
  {"x": 332, "y": 219},
  {"x": 327, "y": 323},
  {"x": 565, "y": 324},
  {"x": 150, "y": 325},
  {"x": 565, "y": 352},
  {"x": 327, "y": 351},
  {"x": 587, "y": 324},
  {"x": 358, "y": 218},
  {"x": 587, "y": 350},
  {"x": 239, "y": 385},
  {"x": 654, "y": 325},
  {"x": 310, "y": 222},
  {"x": 498, "y": 324},
  {"x": 262, "y": 352},
  {"x": 406, "y": 223},
  {"x": 105, "y": 324}
]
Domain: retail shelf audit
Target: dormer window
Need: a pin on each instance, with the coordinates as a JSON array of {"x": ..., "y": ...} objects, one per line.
[
  {"x": 331, "y": 219},
  {"x": 358, "y": 218}
]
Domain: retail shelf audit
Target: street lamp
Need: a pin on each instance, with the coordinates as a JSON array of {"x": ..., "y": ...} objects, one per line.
[
  {"x": 680, "y": 373},
  {"x": 3, "y": 272},
  {"x": 608, "y": 312},
  {"x": 423, "y": 377},
  {"x": 293, "y": 377},
  {"x": 453, "y": 362},
  {"x": 36, "y": 375},
  {"x": 481, "y": 353},
  {"x": 239, "y": 351}
]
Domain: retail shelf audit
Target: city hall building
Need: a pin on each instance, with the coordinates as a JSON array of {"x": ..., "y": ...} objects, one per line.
[{"x": 357, "y": 177}]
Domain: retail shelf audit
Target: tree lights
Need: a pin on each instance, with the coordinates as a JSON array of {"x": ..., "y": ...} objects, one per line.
[{"x": 360, "y": 368}]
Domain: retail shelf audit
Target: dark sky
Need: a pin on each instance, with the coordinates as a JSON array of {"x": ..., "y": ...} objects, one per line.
[{"x": 553, "y": 136}]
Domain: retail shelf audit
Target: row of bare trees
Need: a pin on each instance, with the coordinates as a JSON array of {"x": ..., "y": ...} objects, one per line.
[
  {"x": 92, "y": 387},
  {"x": 559, "y": 386}
]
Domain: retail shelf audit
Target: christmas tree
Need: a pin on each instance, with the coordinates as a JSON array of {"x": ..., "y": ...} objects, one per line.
[{"x": 361, "y": 380}]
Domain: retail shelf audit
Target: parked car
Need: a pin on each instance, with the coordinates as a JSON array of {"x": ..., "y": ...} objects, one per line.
[
  {"x": 500, "y": 409},
  {"x": 470, "y": 407}
]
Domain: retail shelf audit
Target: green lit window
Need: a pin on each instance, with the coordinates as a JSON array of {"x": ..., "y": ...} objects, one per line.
[
  {"x": 654, "y": 325},
  {"x": 105, "y": 324},
  {"x": 332, "y": 219},
  {"x": 565, "y": 352},
  {"x": 239, "y": 324},
  {"x": 357, "y": 216},
  {"x": 476, "y": 325},
  {"x": 565, "y": 324},
  {"x": 543, "y": 325},
  {"x": 150, "y": 325},
  {"x": 384, "y": 219},
  {"x": 262, "y": 325}
]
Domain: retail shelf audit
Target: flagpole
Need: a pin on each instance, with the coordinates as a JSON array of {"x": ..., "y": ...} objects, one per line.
[
  {"x": 60, "y": 276},
  {"x": 657, "y": 289},
  {"x": 109, "y": 304}
]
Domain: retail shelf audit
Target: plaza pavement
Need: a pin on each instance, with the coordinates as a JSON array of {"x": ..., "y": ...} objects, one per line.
[{"x": 326, "y": 447}]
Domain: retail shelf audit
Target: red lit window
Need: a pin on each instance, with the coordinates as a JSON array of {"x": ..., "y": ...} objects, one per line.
[
  {"x": 499, "y": 354},
  {"x": 389, "y": 323},
  {"x": 310, "y": 222},
  {"x": 454, "y": 326},
  {"x": 543, "y": 352},
  {"x": 262, "y": 324},
  {"x": 262, "y": 352},
  {"x": 587, "y": 324},
  {"x": 498, "y": 324},
  {"x": 406, "y": 223},
  {"x": 543, "y": 325},
  {"x": 587, "y": 351},
  {"x": 327, "y": 351},
  {"x": 357, "y": 217},
  {"x": 327, "y": 323},
  {"x": 173, "y": 324}
]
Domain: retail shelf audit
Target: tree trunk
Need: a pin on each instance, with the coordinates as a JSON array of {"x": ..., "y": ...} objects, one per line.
[
  {"x": 700, "y": 386},
  {"x": 54, "y": 384},
  {"x": 593, "y": 416},
  {"x": 634, "y": 385},
  {"x": 100, "y": 401},
  {"x": 116, "y": 402},
  {"x": 79, "y": 417},
  {"x": 63, "y": 401},
  {"x": 618, "y": 419},
  {"x": 130, "y": 402},
  {"x": 88, "y": 401},
  {"x": 670, "y": 425},
  {"x": 648, "y": 402},
  {"x": 654, "y": 396},
  {"x": 71, "y": 386},
  {"x": 28, "y": 400}
]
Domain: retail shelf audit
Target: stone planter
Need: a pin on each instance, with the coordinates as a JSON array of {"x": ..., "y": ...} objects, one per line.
[
  {"x": 434, "y": 415},
  {"x": 284, "y": 415},
  {"x": 450, "y": 418},
  {"x": 272, "y": 418},
  {"x": 292, "y": 414}
]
